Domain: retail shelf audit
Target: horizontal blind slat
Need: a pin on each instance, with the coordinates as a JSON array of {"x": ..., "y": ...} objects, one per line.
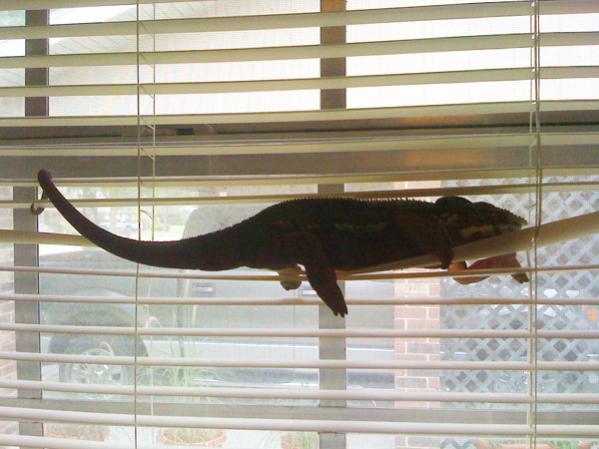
[
  {"x": 62, "y": 443},
  {"x": 13, "y": 5},
  {"x": 547, "y": 6},
  {"x": 460, "y": 43},
  {"x": 300, "y": 364},
  {"x": 356, "y": 275},
  {"x": 294, "y": 84},
  {"x": 270, "y": 21},
  {"x": 410, "y": 79},
  {"x": 240, "y": 301},
  {"x": 331, "y": 146},
  {"x": 313, "y": 333},
  {"x": 491, "y": 108},
  {"x": 300, "y": 20},
  {"x": 12, "y": 236},
  {"x": 297, "y": 425},
  {"x": 440, "y": 142},
  {"x": 368, "y": 394},
  {"x": 392, "y": 176}
]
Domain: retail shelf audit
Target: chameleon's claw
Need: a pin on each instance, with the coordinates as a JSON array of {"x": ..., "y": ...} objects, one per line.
[
  {"x": 521, "y": 278},
  {"x": 333, "y": 298},
  {"x": 329, "y": 291},
  {"x": 445, "y": 255}
]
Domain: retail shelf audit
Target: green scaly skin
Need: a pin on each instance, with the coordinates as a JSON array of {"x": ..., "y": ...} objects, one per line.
[{"x": 322, "y": 235}]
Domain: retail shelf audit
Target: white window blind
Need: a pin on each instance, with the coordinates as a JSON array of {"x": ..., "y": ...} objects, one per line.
[{"x": 165, "y": 119}]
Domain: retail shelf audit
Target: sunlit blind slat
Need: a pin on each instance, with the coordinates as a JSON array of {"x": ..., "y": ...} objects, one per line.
[
  {"x": 514, "y": 74},
  {"x": 355, "y": 17},
  {"x": 461, "y": 43}
]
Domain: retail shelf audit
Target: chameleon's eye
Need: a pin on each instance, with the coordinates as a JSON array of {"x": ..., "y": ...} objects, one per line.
[{"x": 448, "y": 219}]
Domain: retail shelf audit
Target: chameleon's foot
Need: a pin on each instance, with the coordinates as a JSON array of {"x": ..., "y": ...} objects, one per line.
[
  {"x": 331, "y": 294},
  {"x": 323, "y": 280},
  {"x": 461, "y": 266},
  {"x": 511, "y": 261},
  {"x": 503, "y": 261},
  {"x": 321, "y": 275},
  {"x": 291, "y": 280},
  {"x": 291, "y": 285}
]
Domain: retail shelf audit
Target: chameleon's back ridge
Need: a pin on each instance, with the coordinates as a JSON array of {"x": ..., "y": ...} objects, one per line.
[{"x": 320, "y": 234}]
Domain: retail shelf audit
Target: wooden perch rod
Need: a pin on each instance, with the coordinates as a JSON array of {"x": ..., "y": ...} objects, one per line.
[{"x": 549, "y": 233}]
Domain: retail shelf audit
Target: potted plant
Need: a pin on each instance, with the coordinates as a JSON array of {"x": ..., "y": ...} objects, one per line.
[
  {"x": 299, "y": 440},
  {"x": 189, "y": 376}
]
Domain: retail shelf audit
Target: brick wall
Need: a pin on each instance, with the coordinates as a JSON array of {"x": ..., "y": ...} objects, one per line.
[{"x": 418, "y": 349}]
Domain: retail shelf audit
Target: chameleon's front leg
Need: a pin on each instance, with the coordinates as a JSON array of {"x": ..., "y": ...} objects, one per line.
[
  {"x": 503, "y": 261},
  {"x": 426, "y": 234}
]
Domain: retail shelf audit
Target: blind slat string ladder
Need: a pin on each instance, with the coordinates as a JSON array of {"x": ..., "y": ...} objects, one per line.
[
  {"x": 148, "y": 410},
  {"x": 536, "y": 155}
]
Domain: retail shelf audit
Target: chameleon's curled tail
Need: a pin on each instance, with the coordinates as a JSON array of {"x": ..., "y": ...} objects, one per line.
[{"x": 194, "y": 253}]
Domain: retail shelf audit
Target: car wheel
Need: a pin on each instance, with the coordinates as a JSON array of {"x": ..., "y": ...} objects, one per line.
[{"x": 91, "y": 373}]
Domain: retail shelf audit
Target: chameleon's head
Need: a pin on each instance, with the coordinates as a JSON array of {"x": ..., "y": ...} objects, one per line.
[{"x": 466, "y": 221}]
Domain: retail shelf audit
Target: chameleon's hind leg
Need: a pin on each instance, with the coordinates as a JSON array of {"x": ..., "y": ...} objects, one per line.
[
  {"x": 290, "y": 277},
  {"x": 305, "y": 249}
]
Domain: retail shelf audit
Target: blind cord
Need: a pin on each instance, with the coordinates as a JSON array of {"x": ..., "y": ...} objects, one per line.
[{"x": 137, "y": 265}]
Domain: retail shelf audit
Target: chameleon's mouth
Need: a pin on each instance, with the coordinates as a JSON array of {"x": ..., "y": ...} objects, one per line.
[
  {"x": 504, "y": 229},
  {"x": 483, "y": 231},
  {"x": 476, "y": 232}
]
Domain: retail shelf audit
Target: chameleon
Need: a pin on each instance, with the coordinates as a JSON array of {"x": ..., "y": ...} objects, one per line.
[{"x": 321, "y": 234}]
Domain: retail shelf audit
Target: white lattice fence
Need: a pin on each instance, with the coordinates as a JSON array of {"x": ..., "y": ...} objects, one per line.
[{"x": 579, "y": 284}]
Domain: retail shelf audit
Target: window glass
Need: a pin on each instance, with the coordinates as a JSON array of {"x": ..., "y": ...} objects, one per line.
[
  {"x": 12, "y": 106},
  {"x": 8, "y": 368},
  {"x": 164, "y": 73}
]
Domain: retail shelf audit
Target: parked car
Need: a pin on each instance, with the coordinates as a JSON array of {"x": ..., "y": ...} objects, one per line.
[{"x": 203, "y": 219}]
